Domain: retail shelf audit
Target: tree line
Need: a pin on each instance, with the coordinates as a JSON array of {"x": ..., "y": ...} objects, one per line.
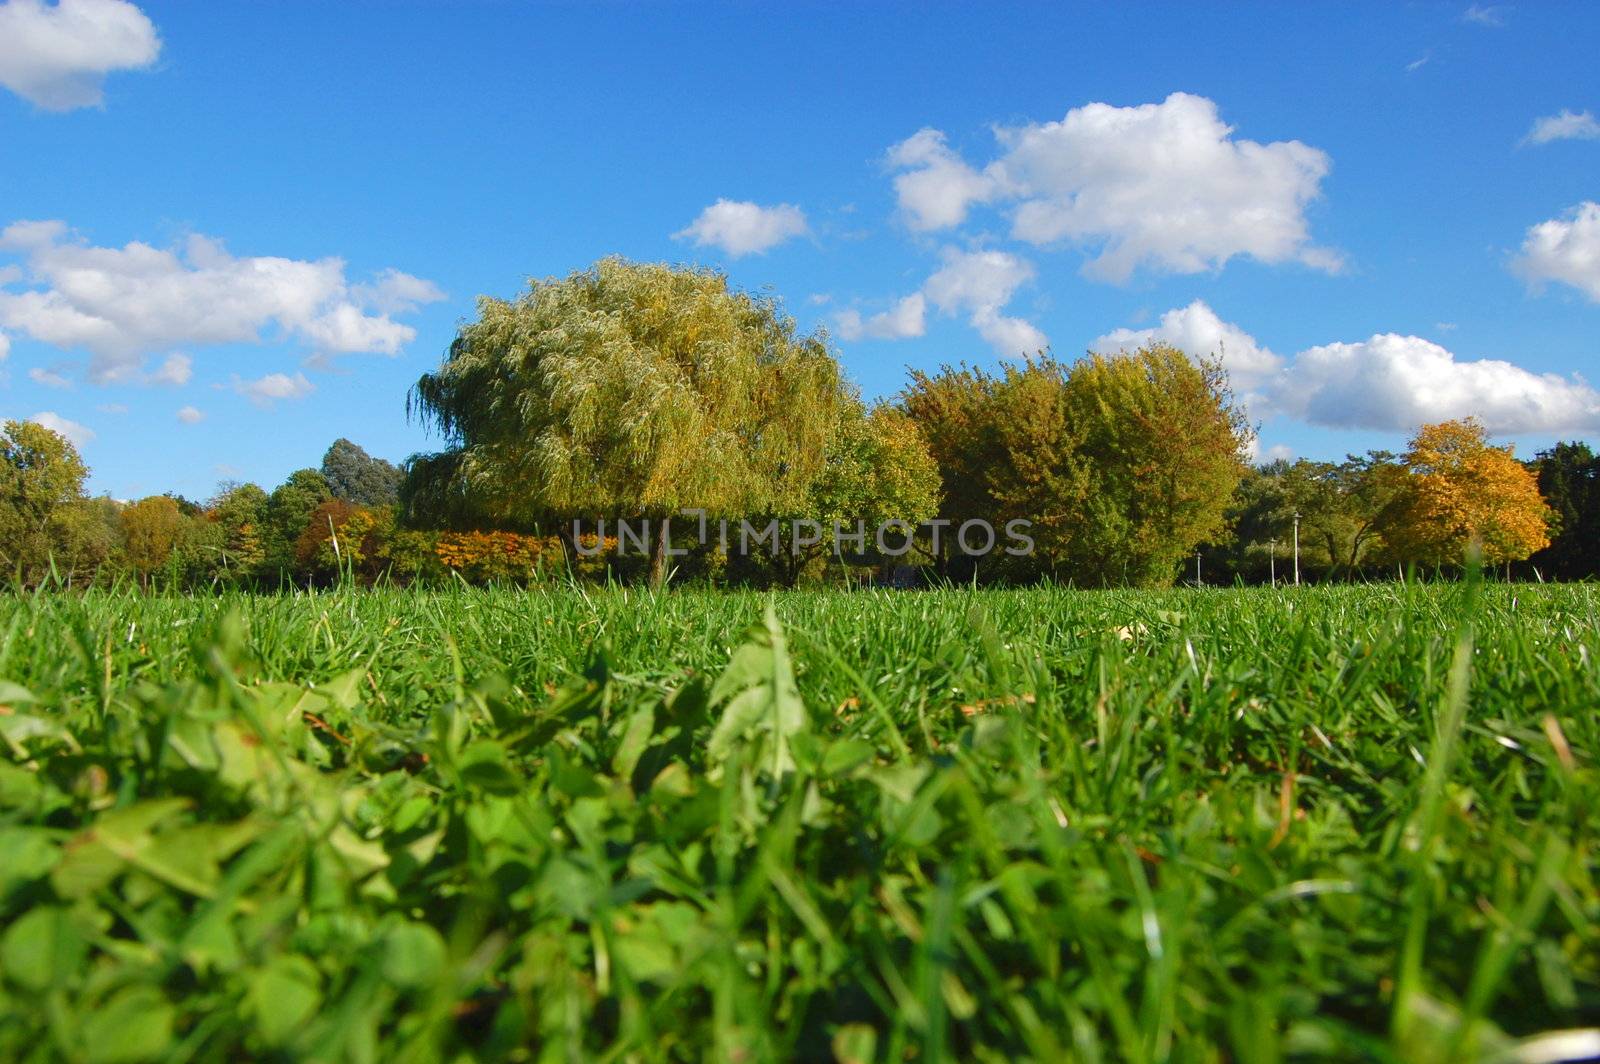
[{"x": 640, "y": 391}]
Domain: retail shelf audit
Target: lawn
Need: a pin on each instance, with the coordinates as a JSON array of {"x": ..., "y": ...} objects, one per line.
[{"x": 587, "y": 824}]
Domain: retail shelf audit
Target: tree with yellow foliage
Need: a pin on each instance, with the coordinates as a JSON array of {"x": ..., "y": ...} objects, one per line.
[{"x": 1459, "y": 488}]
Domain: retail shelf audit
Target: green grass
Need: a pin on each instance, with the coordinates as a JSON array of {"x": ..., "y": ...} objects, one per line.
[{"x": 1349, "y": 823}]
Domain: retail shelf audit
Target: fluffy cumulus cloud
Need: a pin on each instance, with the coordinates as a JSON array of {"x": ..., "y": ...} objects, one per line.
[
  {"x": 79, "y": 435},
  {"x": 1389, "y": 383},
  {"x": 1396, "y": 383},
  {"x": 190, "y": 415},
  {"x": 1165, "y": 186},
  {"x": 904, "y": 320},
  {"x": 123, "y": 305},
  {"x": 175, "y": 370},
  {"x": 265, "y": 391},
  {"x": 58, "y": 55},
  {"x": 742, "y": 228},
  {"x": 5, "y": 347},
  {"x": 980, "y": 284},
  {"x": 1568, "y": 125},
  {"x": 1197, "y": 330},
  {"x": 973, "y": 284},
  {"x": 936, "y": 186},
  {"x": 1566, "y": 250}
]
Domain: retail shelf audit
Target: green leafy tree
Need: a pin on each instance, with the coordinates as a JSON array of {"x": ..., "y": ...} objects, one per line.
[
  {"x": 288, "y": 512},
  {"x": 86, "y": 539},
  {"x": 878, "y": 469},
  {"x": 151, "y": 529},
  {"x": 1342, "y": 507},
  {"x": 955, "y": 411},
  {"x": 1037, "y": 471},
  {"x": 626, "y": 389},
  {"x": 40, "y": 474},
  {"x": 355, "y": 476},
  {"x": 240, "y": 513},
  {"x": 1162, "y": 442},
  {"x": 1569, "y": 480}
]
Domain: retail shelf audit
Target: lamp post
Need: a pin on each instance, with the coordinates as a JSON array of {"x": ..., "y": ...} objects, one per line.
[
  {"x": 1196, "y": 568},
  {"x": 1297, "y": 548},
  {"x": 1272, "y": 561}
]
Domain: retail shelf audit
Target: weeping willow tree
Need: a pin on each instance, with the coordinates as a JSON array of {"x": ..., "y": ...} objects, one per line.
[{"x": 624, "y": 390}]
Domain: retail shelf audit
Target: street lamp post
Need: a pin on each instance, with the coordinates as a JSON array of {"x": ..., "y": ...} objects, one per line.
[
  {"x": 1272, "y": 561},
  {"x": 1196, "y": 568},
  {"x": 1297, "y": 548}
]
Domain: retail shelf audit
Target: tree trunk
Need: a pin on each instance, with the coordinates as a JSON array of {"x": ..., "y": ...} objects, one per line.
[{"x": 658, "y": 557}]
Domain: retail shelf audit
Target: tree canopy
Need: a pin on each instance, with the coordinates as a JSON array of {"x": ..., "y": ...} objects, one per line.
[
  {"x": 1124, "y": 463},
  {"x": 1462, "y": 490},
  {"x": 40, "y": 476},
  {"x": 355, "y": 476},
  {"x": 1569, "y": 480},
  {"x": 628, "y": 389}
]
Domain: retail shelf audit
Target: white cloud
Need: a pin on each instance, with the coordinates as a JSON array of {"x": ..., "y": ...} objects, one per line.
[
  {"x": 1417, "y": 64},
  {"x": 1278, "y": 452},
  {"x": 977, "y": 280},
  {"x": 1389, "y": 382},
  {"x": 1395, "y": 383},
  {"x": 396, "y": 292},
  {"x": 48, "y": 377},
  {"x": 1485, "y": 14},
  {"x": 981, "y": 283},
  {"x": 1162, "y": 185},
  {"x": 5, "y": 347},
  {"x": 190, "y": 415},
  {"x": 1010, "y": 337},
  {"x": 976, "y": 283},
  {"x": 743, "y": 228},
  {"x": 904, "y": 320},
  {"x": 124, "y": 304},
  {"x": 58, "y": 55},
  {"x": 937, "y": 186},
  {"x": 1565, "y": 249},
  {"x": 264, "y": 391},
  {"x": 1198, "y": 331},
  {"x": 112, "y": 408},
  {"x": 175, "y": 370},
  {"x": 79, "y": 435},
  {"x": 1568, "y": 125}
]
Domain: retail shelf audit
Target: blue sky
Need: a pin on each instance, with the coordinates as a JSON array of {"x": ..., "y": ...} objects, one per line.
[{"x": 233, "y": 232}]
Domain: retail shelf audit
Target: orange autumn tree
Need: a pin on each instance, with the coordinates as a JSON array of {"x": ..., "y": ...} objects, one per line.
[{"x": 1460, "y": 488}]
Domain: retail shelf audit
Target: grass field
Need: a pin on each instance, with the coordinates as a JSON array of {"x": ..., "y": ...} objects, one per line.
[{"x": 1349, "y": 823}]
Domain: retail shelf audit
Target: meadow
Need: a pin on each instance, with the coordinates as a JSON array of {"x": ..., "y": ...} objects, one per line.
[{"x": 601, "y": 824}]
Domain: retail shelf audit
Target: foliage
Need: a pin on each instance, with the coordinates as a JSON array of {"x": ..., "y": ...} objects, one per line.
[
  {"x": 355, "y": 476},
  {"x": 1163, "y": 442},
  {"x": 288, "y": 514},
  {"x": 1569, "y": 480},
  {"x": 1124, "y": 463},
  {"x": 40, "y": 474},
  {"x": 1460, "y": 491},
  {"x": 628, "y": 389},
  {"x": 954, "y": 410},
  {"x": 500, "y": 557},
  {"x": 151, "y": 528},
  {"x": 1346, "y": 823},
  {"x": 877, "y": 470},
  {"x": 1037, "y": 472},
  {"x": 1342, "y": 506}
]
